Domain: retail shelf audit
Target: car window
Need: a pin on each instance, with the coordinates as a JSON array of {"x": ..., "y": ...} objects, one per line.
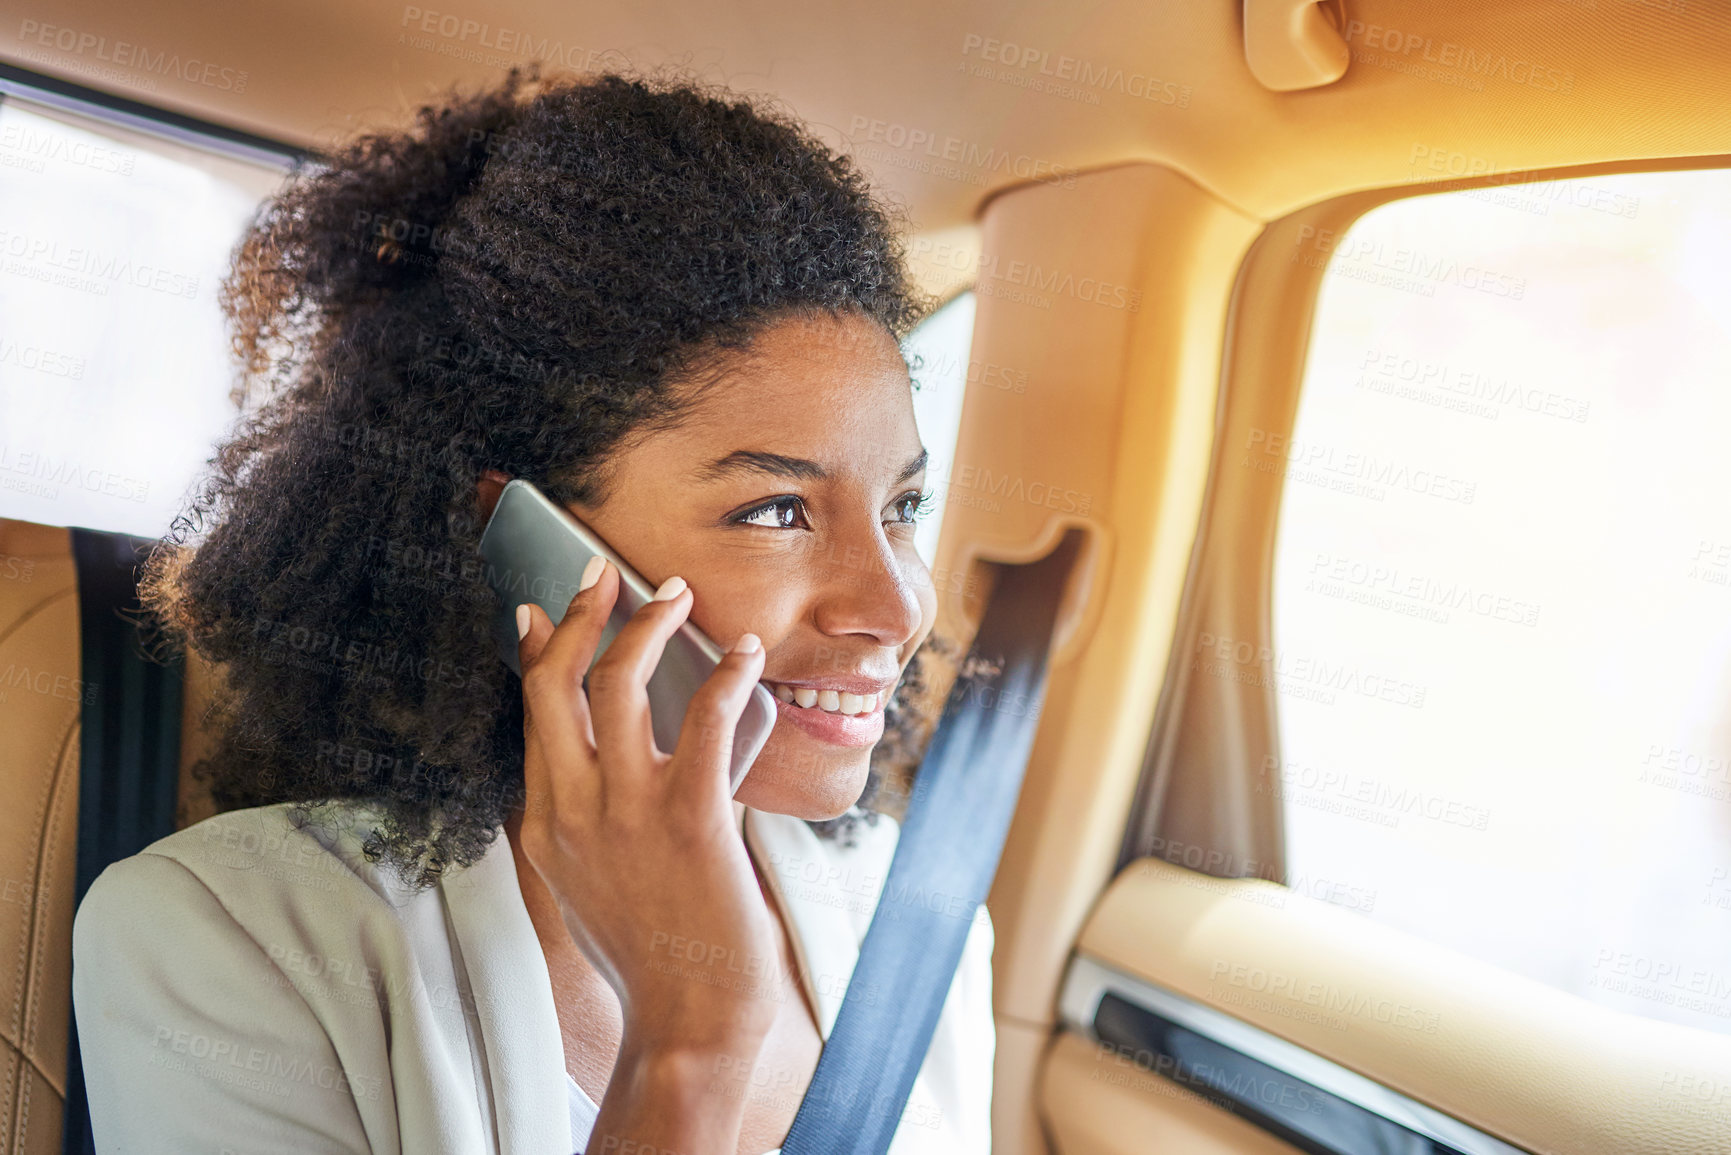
[
  {"x": 114, "y": 367},
  {"x": 1502, "y": 585},
  {"x": 937, "y": 354}
]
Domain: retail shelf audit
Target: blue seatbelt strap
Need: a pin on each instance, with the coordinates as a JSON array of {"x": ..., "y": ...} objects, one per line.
[{"x": 951, "y": 838}]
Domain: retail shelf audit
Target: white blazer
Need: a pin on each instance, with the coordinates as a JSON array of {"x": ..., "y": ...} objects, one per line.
[{"x": 246, "y": 986}]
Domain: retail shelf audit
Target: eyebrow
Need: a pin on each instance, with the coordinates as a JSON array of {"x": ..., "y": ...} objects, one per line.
[{"x": 781, "y": 465}]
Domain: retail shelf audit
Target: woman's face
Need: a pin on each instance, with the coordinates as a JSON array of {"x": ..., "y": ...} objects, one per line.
[{"x": 785, "y": 496}]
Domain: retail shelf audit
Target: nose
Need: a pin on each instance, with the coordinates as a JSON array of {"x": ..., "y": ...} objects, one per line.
[{"x": 864, "y": 589}]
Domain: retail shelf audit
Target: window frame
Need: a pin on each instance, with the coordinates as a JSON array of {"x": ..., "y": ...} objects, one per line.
[
  {"x": 1197, "y": 803},
  {"x": 65, "y": 96}
]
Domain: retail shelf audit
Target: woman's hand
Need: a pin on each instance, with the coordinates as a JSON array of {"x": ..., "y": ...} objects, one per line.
[{"x": 642, "y": 852}]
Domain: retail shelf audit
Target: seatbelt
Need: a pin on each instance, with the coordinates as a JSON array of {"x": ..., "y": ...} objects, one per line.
[
  {"x": 951, "y": 838},
  {"x": 129, "y": 745}
]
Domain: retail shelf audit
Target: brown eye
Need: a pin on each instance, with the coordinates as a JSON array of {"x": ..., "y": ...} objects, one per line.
[
  {"x": 782, "y": 513},
  {"x": 913, "y": 506}
]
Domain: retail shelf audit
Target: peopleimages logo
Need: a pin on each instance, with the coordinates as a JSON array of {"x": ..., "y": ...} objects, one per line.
[
  {"x": 35, "y": 148},
  {"x": 978, "y": 160},
  {"x": 1305, "y": 783},
  {"x": 1536, "y": 195},
  {"x": 1348, "y": 470},
  {"x": 46, "y": 473},
  {"x": 1086, "y": 74},
  {"x": 1324, "y": 996},
  {"x": 1403, "y": 374},
  {"x": 87, "y": 269},
  {"x": 38, "y": 359},
  {"x": 125, "y": 54},
  {"x": 1386, "y": 586},
  {"x": 1422, "y": 267},
  {"x": 1447, "y": 54},
  {"x": 480, "y": 42},
  {"x": 1301, "y": 676}
]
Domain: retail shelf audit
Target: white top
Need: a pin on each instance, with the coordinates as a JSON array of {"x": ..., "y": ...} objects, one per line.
[
  {"x": 584, "y": 1112},
  {"x": 245, "y": 984}
]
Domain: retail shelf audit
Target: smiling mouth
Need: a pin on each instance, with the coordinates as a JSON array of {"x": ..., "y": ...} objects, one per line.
[{"x": 829, "y": 701}]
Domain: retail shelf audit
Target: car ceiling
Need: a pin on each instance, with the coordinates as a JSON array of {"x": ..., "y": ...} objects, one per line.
[{"x": 1498, "y": 86}]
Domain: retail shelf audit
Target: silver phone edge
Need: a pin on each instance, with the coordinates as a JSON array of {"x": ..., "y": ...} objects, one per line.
[{"x": 642, "y": 592}]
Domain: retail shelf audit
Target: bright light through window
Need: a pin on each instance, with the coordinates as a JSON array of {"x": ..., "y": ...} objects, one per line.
[
  {"x": 937, "y": 353},
  {"x": 114, "y": 366},
  {"x": 1505, "y": 543}
]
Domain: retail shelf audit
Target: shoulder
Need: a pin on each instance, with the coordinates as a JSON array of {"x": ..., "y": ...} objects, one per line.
[
  {"x": 266, "y": 847},
  {"x": 205, "y": 1004},
  {"x": 260, "y": 872}
]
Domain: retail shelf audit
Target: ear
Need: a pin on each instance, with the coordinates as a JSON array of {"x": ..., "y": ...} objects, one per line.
[{"x": 487, "y": 490}]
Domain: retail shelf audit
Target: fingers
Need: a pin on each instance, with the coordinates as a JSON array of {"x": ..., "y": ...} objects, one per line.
[
  {"x": 566, "y": 726},
  {"x": 571, "y": 647},
  {"x": 619, "y": 683},
  {"x": 705, "y": 752},
  {"x": 556, "y": 722}
]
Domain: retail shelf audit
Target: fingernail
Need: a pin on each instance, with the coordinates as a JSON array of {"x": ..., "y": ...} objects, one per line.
[
  {"x": 591, "y": 572},
  {"x": 747, "y": 644},
  {"x": 522, "y": 621},
  {"x": 670, "y": 589}
]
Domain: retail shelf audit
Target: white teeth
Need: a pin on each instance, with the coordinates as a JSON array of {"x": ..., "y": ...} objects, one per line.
[{"x": 831, "y": 701}]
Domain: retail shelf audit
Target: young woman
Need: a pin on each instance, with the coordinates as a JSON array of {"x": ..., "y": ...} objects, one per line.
[{"x": 678, "y": 315}]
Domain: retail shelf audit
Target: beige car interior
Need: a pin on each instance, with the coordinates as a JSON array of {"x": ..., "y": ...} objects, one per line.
[{"x": 1185, "y": 213}]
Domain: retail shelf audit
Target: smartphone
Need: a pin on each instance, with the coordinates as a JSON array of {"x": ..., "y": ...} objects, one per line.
[{"x": 535, "y": 551}]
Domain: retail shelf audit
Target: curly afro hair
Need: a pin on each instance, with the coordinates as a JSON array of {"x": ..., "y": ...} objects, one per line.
[{"x": 516, "y": 283}]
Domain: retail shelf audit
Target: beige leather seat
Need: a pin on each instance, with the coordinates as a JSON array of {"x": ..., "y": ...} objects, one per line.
[
  {"x": 40, "y": 701},
  {"x": 39, "y": 727}
]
